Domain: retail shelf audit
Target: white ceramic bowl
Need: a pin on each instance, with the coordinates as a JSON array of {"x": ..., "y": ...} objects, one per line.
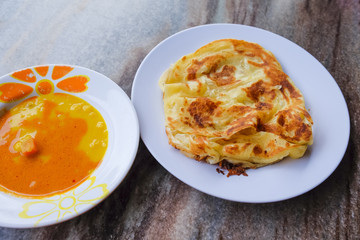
[{"x": 122, "y": 123}]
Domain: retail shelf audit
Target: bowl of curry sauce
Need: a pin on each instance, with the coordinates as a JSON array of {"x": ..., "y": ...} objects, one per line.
[{"x": 68, "y": 137}]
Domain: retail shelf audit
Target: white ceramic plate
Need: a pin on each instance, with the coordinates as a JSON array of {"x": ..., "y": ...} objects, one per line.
[
  {"x": 122, "y": 123},
  {"x": 286, "y": 179}
]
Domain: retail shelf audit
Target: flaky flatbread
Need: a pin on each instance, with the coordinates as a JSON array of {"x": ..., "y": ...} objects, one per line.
[{"x": 230, "y": 100}]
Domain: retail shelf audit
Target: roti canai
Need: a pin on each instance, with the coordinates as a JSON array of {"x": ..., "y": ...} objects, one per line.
[{"x": 230, "y": 103}]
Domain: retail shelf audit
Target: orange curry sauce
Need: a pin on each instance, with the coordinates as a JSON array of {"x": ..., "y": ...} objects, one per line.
[{"x": 50, "y": 144}]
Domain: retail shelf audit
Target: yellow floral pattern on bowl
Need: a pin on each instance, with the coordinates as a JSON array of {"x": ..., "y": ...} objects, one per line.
[{"x": 59, "y": 206}]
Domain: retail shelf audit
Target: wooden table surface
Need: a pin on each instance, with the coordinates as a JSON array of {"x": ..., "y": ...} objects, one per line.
[{"x": 113, "y": 37}]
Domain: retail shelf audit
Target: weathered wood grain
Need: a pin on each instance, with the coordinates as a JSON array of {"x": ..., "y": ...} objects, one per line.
[{"x": 112, "y": 37}]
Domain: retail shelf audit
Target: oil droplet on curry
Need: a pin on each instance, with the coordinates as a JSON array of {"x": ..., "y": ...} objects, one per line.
[{"x": 50, "y": 144}]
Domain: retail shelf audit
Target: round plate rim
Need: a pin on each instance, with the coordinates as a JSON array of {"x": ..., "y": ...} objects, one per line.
[{"x": 346, "y": 128}]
